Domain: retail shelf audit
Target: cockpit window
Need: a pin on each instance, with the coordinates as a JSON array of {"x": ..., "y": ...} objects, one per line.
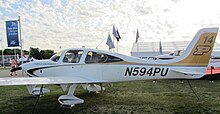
[
  {"x": 72, "y": 56},
  {"x": 56, "y": 57},
  {"x": 94, "y": 57}
]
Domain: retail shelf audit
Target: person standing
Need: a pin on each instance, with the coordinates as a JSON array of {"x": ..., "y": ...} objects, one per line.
[{"x": 14, "y": 64}]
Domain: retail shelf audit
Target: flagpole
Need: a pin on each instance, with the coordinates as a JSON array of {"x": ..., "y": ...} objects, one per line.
[
  {"x": 137, "y": 44},
  {"x": 117, "y": 47},
  {"x": 114, "y": 44},
  {"x": 20, "y": 39},
  {"x": 113, "y": 36},
  {"x": 3, "y": 61},
  {"x": 160, "y": 47},
  {"x": 20, "y": 43},
  {"x": 15, "y": 54}
]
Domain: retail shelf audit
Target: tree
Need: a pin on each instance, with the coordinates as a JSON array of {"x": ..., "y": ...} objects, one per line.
[
  {"x": 46, "y": 54},
  {"x": 35, "y": 53},
  {"x": 12, "y": 52},
  {"x": 26, "y": 52},
  {"x": 8, "y": 52}
]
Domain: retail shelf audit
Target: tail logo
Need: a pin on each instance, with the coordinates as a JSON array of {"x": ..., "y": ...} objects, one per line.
[{"x": 201, "y": 49}]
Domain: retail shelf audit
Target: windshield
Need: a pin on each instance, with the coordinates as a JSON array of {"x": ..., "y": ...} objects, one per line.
[
  {"x": 56, "y": 57},
  {"x": 94, "y": 57}
]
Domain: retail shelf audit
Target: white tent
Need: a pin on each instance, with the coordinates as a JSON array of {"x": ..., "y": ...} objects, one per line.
[{"x": 152, "y": 49}]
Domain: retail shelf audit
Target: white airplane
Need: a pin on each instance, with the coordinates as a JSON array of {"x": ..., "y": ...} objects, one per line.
[{"x": 89, "y": 67}]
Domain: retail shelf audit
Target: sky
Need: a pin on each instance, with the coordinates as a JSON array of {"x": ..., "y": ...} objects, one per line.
[{"x": 51, "y": 24}]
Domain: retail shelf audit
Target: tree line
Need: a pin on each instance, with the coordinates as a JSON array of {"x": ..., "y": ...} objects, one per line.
[{"x": 33, "y": 52}]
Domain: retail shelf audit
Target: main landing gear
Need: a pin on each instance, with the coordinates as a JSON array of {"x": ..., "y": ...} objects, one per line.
[{"x": 70, "y": 100}]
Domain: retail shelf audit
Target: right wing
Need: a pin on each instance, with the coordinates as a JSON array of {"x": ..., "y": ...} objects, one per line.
[{"x": 46, "y": 80}]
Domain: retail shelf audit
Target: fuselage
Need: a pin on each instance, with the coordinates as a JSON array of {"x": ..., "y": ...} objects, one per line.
[{"x": 101, "y": 65}]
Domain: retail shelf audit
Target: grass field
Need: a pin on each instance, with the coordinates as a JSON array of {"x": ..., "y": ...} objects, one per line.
[
  {"x": 166, "y": 96},
  {"x": 1, "y": 68}
]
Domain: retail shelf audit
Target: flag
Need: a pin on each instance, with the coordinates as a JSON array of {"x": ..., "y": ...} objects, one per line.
[
  {"x": 12, "y": 33},
  {"x": 118, "y": 36},
  {"x": 116, "y": 33},
  {"x": 160, "y": 48},
  {"x": 137, "y": 36},
  {"x": 109, "y": 42}
]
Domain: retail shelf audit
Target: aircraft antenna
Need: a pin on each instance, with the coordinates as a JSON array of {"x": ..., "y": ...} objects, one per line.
[
  {"x": 193, "y": 90},
  {"x": 100, "y": 44},
  {"x": 38, "y": 98}
]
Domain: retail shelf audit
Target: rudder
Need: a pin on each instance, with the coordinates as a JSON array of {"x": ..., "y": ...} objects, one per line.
[{"x": 199, "y": 50}]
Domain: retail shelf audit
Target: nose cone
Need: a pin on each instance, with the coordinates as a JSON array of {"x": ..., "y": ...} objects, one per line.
[{"x": 27, "y": 66}]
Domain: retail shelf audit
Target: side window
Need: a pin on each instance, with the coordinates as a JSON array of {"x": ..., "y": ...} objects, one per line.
[
  {"x": 113, "y": 59},
  {"x": 94, "y": 57},
  {"x": 72, "y": 56}
]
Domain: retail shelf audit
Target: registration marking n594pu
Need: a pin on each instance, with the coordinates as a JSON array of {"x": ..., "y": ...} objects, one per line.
[{"x": 143, "y": 71}]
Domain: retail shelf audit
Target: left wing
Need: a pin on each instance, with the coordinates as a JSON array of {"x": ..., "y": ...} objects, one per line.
[{"x": 46, "y": 80}]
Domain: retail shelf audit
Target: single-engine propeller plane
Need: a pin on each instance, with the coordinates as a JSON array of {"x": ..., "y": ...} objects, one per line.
[{"x": 91, "y": 67}]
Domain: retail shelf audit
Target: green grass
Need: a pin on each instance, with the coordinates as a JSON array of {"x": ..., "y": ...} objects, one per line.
[
  {"x": 164, "y": 97},
  {"x": 7, "y": 68}
]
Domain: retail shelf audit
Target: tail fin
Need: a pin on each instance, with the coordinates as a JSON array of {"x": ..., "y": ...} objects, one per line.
[{"x": 199, "y": 50}]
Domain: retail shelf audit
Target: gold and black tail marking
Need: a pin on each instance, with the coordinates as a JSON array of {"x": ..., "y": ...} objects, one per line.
[{"x": 201, "y": 52}]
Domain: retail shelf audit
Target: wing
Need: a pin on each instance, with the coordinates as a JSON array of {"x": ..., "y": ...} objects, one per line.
[{"x": 46, "y": 80}]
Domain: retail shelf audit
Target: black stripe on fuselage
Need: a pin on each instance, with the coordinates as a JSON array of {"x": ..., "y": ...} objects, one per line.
[{"x": 31, "y": 71}]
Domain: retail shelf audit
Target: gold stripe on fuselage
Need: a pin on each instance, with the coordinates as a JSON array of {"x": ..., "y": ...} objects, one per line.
[{"x": 198, "y": 57}]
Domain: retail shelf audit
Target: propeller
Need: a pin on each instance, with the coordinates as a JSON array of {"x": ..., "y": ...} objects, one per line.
[{"x": 15, "y": 69}]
